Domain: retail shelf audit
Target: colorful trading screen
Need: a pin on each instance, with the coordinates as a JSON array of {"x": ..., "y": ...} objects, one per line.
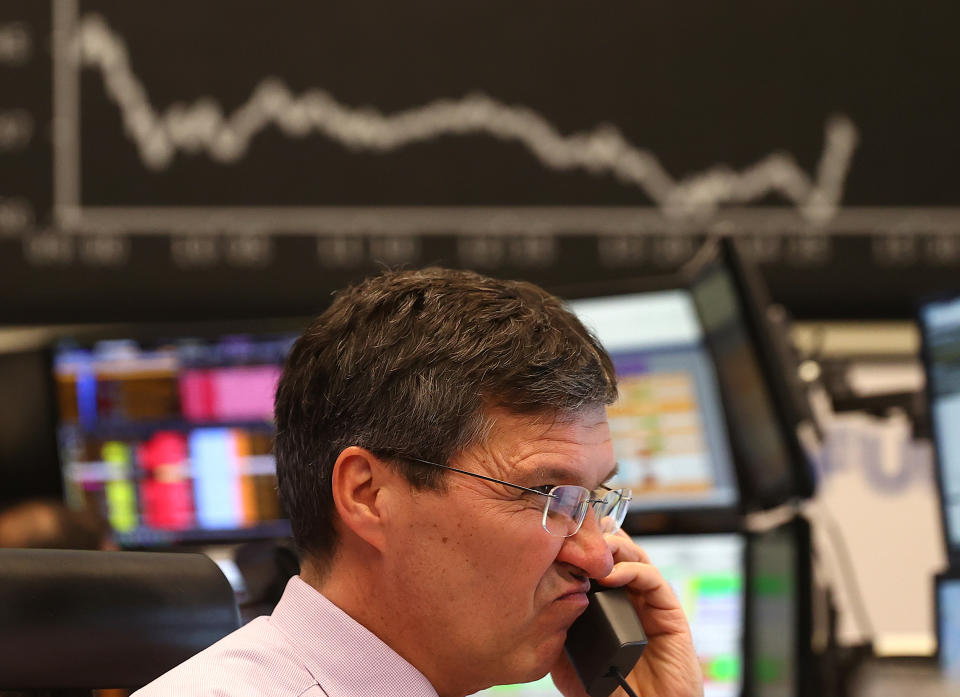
[
  {"x": 707, "y": 574},
  {"x": 171, "y": 441},
  {"x": 668, "y": 428}
]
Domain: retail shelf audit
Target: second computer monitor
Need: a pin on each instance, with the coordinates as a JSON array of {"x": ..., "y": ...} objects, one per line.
[
  {"x": 772, "y": 464},
  {"x": 947, "y": 603},
  {"x": 940, "y": 325},
  {"x": 668, "y": 428}
]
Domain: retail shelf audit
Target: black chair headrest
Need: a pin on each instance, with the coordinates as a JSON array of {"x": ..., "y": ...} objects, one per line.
[{"x": 106, "y": 619}]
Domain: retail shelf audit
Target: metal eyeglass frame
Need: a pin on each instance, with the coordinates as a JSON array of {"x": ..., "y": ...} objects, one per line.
[{"x": 625, "y": 495}]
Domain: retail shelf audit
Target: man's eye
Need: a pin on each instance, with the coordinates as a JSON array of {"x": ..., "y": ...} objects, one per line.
[{"x": 544, "y": 489}]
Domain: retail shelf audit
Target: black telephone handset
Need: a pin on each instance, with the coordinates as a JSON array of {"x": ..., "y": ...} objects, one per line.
[{"x": 605, "y": 640}]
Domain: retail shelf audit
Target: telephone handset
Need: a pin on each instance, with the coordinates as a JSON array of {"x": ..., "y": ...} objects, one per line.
[{"x": 605, "y": 640}]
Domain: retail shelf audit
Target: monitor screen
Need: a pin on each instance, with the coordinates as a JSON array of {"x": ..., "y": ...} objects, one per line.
[
  {"x": 171, "y": 441},
  {"x": 767, "y": 468},
  {"x": 669, "y": 434},
  {"x": 940, "y": 322},
  {"x": 948, "y": 626},
  {"x": 777, "y": 609},
  {"x": 707, "y": 574}
]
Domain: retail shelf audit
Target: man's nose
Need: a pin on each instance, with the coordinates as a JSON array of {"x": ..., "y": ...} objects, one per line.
[{"x": 587, "y": 549}]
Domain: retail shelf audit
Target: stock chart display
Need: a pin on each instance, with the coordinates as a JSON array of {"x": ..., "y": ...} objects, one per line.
[{"x": 552, "y": 140}]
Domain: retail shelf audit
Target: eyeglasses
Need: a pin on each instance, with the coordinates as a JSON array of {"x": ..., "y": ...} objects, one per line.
[{"x": 566, "y": 505}]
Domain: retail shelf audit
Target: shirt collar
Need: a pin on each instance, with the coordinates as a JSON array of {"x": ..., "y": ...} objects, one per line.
[{"x": 345, "y": 658}]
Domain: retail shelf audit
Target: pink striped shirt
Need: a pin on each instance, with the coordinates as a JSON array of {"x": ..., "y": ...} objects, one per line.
[{"x": 308, "y": 647}]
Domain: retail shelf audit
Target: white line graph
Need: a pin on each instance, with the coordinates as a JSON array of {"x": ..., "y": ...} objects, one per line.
[{"x": 202, "y": 126}]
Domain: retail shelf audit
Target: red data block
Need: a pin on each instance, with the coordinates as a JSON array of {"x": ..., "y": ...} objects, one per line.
[
  {"x": 196, "y": 395},
  {"x": 166, "y": 491}
]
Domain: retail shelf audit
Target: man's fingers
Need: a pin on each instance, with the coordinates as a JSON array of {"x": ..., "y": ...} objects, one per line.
[
  {"x": 646, "y": 580},
  {"x": 625, "y": 549}
]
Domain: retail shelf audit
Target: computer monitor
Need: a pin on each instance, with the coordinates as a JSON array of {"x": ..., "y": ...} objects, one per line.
[
  {"x": 171, "y": 440},
  {"x": 778, "y": 611},
  {"x": 940, "y": 328},
  {"x": 708, "y": 574},
  {"x": 730, "y": 303},
  {"x": 947, "y": 604},
  {"x": 668, "y": 429},
  {"x": 28, "y": 451}
]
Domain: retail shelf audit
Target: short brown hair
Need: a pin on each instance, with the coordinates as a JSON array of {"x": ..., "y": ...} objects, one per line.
[{"x": 405, "y": 364}]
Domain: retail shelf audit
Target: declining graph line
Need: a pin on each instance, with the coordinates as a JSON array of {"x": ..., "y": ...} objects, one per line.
[{"x": 203, "y": 127}]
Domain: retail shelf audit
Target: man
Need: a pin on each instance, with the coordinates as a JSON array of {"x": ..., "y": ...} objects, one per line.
[{"x": 424, "y": 424}]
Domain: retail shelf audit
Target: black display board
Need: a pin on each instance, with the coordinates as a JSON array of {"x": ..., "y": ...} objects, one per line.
[{"x": 189, "y": 158}]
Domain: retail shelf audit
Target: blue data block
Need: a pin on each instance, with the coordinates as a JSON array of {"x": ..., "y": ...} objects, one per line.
[{"x": 215, "y": 481}]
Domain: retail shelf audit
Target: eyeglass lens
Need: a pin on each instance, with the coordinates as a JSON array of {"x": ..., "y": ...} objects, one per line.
[{"x": 567, "y": 507}]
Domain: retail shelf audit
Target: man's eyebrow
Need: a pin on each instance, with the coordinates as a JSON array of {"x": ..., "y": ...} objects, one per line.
[
  {"x": 562, "y": 475},
  {"x": 553, "y": 474}
]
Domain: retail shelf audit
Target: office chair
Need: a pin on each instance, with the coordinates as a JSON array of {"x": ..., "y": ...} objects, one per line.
[{"x": 79, "y": 619}]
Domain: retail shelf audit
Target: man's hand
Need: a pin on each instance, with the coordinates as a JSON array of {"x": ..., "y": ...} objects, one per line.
[{"x": 669, "y": 667}]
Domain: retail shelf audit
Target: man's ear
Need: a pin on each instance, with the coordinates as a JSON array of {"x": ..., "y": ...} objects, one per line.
[{"x": 358, "y": 480}]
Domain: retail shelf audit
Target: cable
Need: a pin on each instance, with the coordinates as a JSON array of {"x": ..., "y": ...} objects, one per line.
[
  {"x": 623, "y": 681},
  {"x": 853, "y": 589}
]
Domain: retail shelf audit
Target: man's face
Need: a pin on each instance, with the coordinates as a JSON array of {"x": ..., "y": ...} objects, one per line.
[{"x": 479, "y": 582}]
